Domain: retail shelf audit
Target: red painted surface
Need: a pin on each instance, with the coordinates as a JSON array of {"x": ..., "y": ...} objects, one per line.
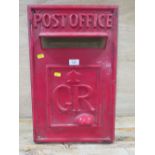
[{"x": 73, "y": 101}]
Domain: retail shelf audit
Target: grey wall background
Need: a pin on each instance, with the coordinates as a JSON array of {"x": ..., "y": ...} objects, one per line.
[{"x": 126, "y": 61}]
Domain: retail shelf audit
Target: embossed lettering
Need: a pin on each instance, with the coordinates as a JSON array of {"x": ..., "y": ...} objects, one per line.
[
  {"x": 66, "y": 105},
  {"x": 73, "y": 20},
  {"x": 95, "y": 20},
  {"x": 46, "y": 20},
  {"x": 81, "y": 20},
  {"x": 109, "y": 20},
  {"x": 101, "y": 20},
  {"x": 88, "y": 21},
  {"x": 36, "y": 19},
  {"x": 76, "y": 100},
  {"x": 85, "y": 97},
  {"x": 63, "y": 20},
  {"x": 56, "y": 21}
]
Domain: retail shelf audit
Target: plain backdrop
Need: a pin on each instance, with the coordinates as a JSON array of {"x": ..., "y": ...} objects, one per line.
[{"x": 126, "y": 62}]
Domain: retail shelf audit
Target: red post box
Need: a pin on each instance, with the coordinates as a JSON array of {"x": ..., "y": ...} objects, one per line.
[{"x": 73, "y": 51}]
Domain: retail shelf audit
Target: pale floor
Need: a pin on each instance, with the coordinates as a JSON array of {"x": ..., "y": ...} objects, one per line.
[{"x": 124, "y": 144}]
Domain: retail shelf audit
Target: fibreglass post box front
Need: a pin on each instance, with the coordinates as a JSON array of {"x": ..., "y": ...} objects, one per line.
[{"x": 73, "y": 52}]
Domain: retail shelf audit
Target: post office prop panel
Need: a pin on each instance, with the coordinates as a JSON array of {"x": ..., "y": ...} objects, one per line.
[{"x": 73, "y": 52}]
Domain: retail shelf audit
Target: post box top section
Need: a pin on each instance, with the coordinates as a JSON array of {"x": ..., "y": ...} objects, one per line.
[{"x": 46, "y": 18}]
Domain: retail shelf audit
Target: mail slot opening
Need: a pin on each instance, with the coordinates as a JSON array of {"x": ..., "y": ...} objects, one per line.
[{"x": 74, "y": 42}]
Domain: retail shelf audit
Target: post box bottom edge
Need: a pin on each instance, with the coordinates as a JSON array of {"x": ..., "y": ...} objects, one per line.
[{"x": 79, "y": 140}]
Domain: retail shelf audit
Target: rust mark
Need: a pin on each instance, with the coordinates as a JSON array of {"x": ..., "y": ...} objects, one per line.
[
  {"x": 126, "y": 129},
  {"x": 125, "y": 139}
]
